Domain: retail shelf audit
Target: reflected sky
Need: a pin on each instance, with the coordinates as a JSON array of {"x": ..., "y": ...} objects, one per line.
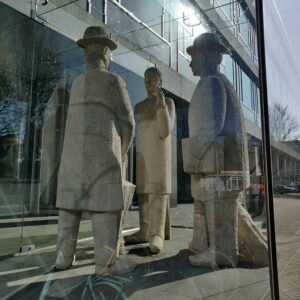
[{"x": 282, "y": 48}]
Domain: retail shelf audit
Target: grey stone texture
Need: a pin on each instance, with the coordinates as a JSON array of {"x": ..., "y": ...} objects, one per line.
[
  {"x": 215, "y": 112},
  {"x": 153, "y": 130},
  {"x": 215, "y": 153},
  {"x": 99, "y": 130},
  {"x": 98, "y": 133},
  {"x": 155, "y": 118},
  {"x": 253, "y": 246}
]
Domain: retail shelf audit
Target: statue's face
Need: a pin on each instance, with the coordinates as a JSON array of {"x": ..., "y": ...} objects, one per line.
[
  {"x": 152, "y": 82},
  {"x": 197, "y": 62},
  {"x": 98, "y": 51},
  {"x": 107, "y": 56}
]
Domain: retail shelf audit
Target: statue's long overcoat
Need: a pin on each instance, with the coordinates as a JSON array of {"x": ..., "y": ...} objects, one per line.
[
  {"x": 98, "y": 134},
  {"x": 153, "y": 147},
  {"x": 215, "y": 111}
]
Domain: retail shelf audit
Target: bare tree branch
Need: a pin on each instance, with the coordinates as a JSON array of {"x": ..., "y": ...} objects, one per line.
[{"x": 283, "y": 124}]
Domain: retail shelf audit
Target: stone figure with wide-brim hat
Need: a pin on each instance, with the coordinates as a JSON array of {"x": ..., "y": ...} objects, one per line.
[
  {"x": 97, "y": 35},
  {"x": 214, "y": 154},
  {"x": 205, "y": 42},
  {"x": 98, "y": 134}
]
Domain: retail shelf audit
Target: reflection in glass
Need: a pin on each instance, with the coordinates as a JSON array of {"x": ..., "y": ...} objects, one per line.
[
  {"x": 39, "y": 61},
  {"x": 155, "y": 118},
  {"x": 216, "y": 156}
]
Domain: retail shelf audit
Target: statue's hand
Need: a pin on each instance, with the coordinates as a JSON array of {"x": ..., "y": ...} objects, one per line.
[
  {"x": 161, "y": 101},
  {"x": 125, "y": 162}
]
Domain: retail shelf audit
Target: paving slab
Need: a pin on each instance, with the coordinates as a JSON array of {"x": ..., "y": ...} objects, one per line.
[{"x": 164, "y": 276}]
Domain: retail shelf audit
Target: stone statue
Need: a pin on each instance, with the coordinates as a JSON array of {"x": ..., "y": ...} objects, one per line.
[
  {"x": 216, "y": 156},
  {"x": 154, "y": 118},
  {"x": 99, "y": 131}
]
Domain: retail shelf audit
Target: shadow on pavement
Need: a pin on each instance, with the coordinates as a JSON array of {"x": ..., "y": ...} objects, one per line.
[{"x": 145, "y": 276}]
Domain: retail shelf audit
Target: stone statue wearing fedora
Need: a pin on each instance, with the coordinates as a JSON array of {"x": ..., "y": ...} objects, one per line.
[
  {"x": 216, "y": 156},
  {"x": 155, "y": 118},
  {"x": 98, "y": 134}
]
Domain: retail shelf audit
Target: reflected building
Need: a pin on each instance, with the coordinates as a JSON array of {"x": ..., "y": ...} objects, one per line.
[{"x": 39, "y": 60}]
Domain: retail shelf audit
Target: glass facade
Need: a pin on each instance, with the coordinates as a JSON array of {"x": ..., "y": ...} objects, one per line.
[
  {"x": 49, "y": 139},
  {"x": 282, "y": 80}
]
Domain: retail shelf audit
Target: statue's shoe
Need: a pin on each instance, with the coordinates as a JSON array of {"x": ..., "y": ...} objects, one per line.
[
  {"x": 156, "y": 244},
  {"x": 211, "y": 258},
  {"x": 62, "y": 263},
  {"x": 136, "y": 238},
  {"x": 122, "y": 249},
  {"x": 54, "y": 269},
  {"x": 262, "y": 261},
  {"x": 193, "y": 248},
  {"x": 204, "y": 259},
  {"x": 121, "y": 266}
]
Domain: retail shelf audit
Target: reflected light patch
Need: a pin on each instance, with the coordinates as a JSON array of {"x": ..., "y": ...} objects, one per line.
[
  {"x": 199, "y": 30},
  {"x": 18, "y": 271},
  {"x": 87, "y": 270},
  {"x": 154, "y": 273},
  {"x": 189, "y": 15},
  {"x": 191, "y": 18}
]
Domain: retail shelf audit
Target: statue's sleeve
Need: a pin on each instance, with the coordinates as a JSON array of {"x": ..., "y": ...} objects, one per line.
[
  {"x": 166, "y": 119},
  {"x": 213, "y": 112},
  {"x": 125, "y": 116}
]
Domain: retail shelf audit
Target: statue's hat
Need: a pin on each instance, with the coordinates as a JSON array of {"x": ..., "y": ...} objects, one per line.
[
  {"x": 206, "y": 41},
  {"x": 96, "y": 34}
]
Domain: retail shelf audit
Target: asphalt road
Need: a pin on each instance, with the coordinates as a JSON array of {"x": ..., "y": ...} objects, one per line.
[{"x": 287, "y": 220}]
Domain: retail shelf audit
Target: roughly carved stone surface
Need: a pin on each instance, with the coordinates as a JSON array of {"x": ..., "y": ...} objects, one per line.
[
  {"x": 155, "y": 119},
  {"x": 215, "y": 154},
  {"x": 253, "y": 247},
  {"x": 98, "y": 134},
  {"x": 99, "y": 130},
  {"x": 153, "y": 129}
]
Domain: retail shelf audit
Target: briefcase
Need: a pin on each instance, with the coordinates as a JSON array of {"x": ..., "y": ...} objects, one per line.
[{"x": 211, "y": 163}]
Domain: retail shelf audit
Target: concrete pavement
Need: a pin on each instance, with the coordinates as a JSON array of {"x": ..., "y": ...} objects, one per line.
[
  {"x": 287, "y": 222},
  {"x": 164, "y": 276}
]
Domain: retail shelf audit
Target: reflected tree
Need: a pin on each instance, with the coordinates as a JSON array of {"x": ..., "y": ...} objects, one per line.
[
  {"x": 30, "y": 70},
  {"x": 11, "y": 111},
  {"x": 283, "y": 124}
]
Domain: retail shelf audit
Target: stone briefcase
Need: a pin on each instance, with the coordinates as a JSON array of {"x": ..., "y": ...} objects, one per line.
[{"x": 211, "y": 163}]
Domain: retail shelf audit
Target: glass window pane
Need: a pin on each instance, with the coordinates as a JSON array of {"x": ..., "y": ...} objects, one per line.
[
  {"x": 246, "y": 86},
  {"x": 283, "y": 94},
  {"x": 131, "y": 151},
  {"x": 149, "y": 12},
  {"x": 15, "y": 97},
  {"x": 227, "y": 64}
]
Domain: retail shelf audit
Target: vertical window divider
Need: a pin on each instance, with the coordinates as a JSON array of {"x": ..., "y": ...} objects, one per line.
[
  {"x": 89, "y": 6},
  {"x": 105, "y": 11},
  {"x": 266, "y": 142}
]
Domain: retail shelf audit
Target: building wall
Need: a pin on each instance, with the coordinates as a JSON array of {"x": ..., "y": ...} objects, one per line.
[{"x": 45, "y": 59}]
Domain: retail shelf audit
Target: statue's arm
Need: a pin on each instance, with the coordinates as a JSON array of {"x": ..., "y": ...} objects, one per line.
[
  {"x": 212, "y": 117},
  {"x": 125, "y": 117},
  {"x": 165, "y": 118}
]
